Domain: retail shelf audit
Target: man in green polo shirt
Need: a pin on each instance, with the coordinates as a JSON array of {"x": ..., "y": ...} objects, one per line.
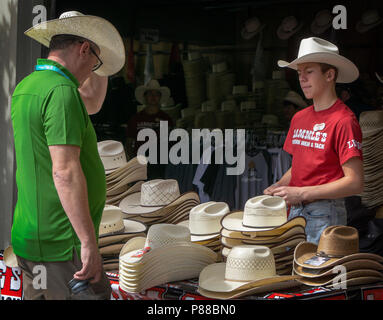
[{"x": 60, "y": 176}]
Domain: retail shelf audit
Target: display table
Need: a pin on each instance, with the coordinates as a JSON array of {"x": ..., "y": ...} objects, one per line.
[{"x": 11, "y": 289}]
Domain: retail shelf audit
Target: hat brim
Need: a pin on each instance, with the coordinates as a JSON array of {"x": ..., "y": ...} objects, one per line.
[
  {"x": 347, "y": 70},
  {"x": 130, "y": 227},
  {"x": 362, "y": 28},
  {"x": 136, "y": 187},
  {"x": 96, "y": 29},
  {"x": 307, "y": 250},
  {"x": 212, "y": 278}
]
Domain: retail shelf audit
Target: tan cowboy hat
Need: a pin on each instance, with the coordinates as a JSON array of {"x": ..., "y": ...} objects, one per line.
[
  {"x": 166, "y": 255},
  {"x": 322, "y": 22},
  {"x": 251, "y": 28},
  {"x": 261, "y": 213},
  {"x": 296, "y": 99},
  {"x": 152, "y": 85},
  {"x": 96, "y": 29},
  {"x": 9, "y": 258},
  {"x": 247, "y": 267},
  {"x": 351, "y": 265},
  {"x": 322, "y": 51},
  {"x": 204, "y": 220},
  {"x": 371, "y": 123},
  {"x": 288, "y": 27},
  {"x": 370, "y": 19},
  {"x": 337, "y": 245}
]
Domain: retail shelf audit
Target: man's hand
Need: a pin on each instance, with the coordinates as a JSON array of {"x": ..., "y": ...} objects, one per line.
[
  {"x": 292, "y": 195},
  {"x": 91, "y": 264},
  {"x": 93, "y": 92},
  {"x": 270, "y": 190}
]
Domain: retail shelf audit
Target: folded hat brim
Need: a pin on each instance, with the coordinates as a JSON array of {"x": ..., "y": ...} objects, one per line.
[
  {"x": 96, "y": 29},
  {"x": 212, "y": 278},
  {"x": 347, "y": 70}
]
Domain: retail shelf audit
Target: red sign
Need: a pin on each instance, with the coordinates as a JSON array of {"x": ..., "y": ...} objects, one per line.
[{"x": 11, "y": 281}]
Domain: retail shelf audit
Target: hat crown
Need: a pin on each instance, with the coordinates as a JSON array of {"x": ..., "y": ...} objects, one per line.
[
  {"x": 249, "y": 263},
  {"x": 338, "y": 241},
  {"x": 205, "y": 218},
  {"x": 163, "y": 234},
  {"x": 289, "y": 23},
  {"x": 112, "y": 154},
  {"x": 111, "y": 220},
  {"x": 159, "y": 192},
  {"x": 240, "y": 89},
  {"x": 70, "y": 14},
  {"x": 265, "y": 211},
  {"x": 316, "y": 45},
  {"x": 228, "y": 105},
  {"x": 252, "y": 25}
]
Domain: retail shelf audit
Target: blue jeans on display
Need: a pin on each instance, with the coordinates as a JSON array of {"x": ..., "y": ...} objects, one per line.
[{"x": 319, "y": 215}]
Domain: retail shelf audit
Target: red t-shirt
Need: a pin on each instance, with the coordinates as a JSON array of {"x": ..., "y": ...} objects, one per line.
[{"x": 320, "y": 142}]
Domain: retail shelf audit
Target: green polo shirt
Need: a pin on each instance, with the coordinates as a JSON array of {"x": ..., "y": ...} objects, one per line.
[{"x": 47, "y": 110}]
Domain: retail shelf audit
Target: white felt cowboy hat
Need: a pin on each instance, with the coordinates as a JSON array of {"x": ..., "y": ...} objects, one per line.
[
  {"x": 247, "y": 267},
  {"x": 96, "y": 29},
  {"x": 288, "y": 27},
  {"x": 370, "y": 19},
  {"x": 322, "y": 22},
  {"x": 322, "y": 51},
  {"x": 166, "y": 255},
  {"x": 261, "y": 213},
  {"x": 152, "y": 85},
  {"x": 204, "y": 220}
]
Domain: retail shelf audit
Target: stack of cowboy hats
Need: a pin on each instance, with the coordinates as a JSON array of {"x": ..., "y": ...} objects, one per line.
[
  {"x": 159, "y": 201},
  {"x": 206, "y": 117},
  {"x": 122, "y": 177},
  {"x": 187, "y": 118},
  {"x": 264, "y": 222},
  {"x": 371, "y": 123},
  {"x": 195, "y": 79},
  {"x": 114, "y": 232},
  {"x": 164, "y": 256},
  {"x": 220, "y": 83},
  {"x": 249, "y": 270},
  {"x": 204, "y": 224},
  {"x": 276, "y": 90},
  {"x": 226, "y": 115},
  {"x": 336, "y": 261}
]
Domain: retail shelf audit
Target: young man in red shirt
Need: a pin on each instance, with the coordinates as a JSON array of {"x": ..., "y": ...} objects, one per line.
[{"x": 324, "y": 140}]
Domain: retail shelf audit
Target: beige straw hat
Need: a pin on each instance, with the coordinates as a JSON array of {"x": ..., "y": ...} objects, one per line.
[
  {"x": 322, "y": 51},
  {"x": 9, "y": 258},
  {"x": 247, "y": 266},
  {"x": 337, "y": 245},
  {"x": 95, "y": 29}
]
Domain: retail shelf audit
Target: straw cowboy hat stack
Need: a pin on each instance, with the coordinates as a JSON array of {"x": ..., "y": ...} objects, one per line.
[
  {"x": 159, "y": 201},
  {"x": 369, "y": 20},
  {"x": 96, "y": 29},
  {"x": 264, "y": 222},
  {"x": 319, "y": 265},
  {"x": 371, "y": 123},
  {"x": 288, "y": 27},
  {"x": 152, "y": 85},
  {"x": 204, "y": 224},
  {"x": 205, "y": 118},
  {"x": 249, "y": 270},
  {"x": 187, "y": 118},
  {"x": 122, "y": 177},
  {"x": 114, "y": 232},
  {"x": 164, "y": 256},
  {"x": 225, "y": 117},
  {"x": 315, "y": 49},
  {"x": 195, "y": 79},
  {"x": 276, "y": 90}
]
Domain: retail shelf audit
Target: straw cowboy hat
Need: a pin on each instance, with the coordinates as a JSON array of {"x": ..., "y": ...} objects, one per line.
[
  {"x": 251, "y": 28},
  {"x": 296, "y": 99},
  {"x": 95, "y": 29},
  {"x": 152, "y": 85},
  {"x": 370, "y": 19},
  {"x": 166, "y": 255},
  {"x": 247, "y": 267},
  {"x": 288, "y": 27},
  {"x": 337, "y": 245},
  {"x": 260, "y": 213},
  {"x": 322, "y": 51},
  {"x": 204, "y": 220},
  {"x": 322, "y": 22},
  {"x": 9, "y": 258}
]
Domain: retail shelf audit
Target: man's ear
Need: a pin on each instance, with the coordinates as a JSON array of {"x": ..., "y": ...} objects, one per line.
[
  {"x": 330, "y": 75},
  {"x": 84, "y": 49}
]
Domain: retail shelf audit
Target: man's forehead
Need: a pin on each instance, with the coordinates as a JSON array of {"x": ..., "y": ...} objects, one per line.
[{"x": 303, "y": 66}]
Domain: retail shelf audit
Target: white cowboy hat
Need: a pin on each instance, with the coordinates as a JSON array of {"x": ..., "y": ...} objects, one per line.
[
  {"x": 251, "y": 28},
  {"x": 370, "y": 19},
  {"x": 261, "y": 213},
  {"x": 322, "y": 51},
  {"x": 152, "y": 85},
  {"x": 247, "y": 267},
  {"x": 296, "y": 99},
  {"x": 204, "y": 220},
  {"x": 95, "y": 29},
  {"x": 322, "y": 22},
  {"x": 166, "y": 255},
  {"x": 288, "y": 27}
]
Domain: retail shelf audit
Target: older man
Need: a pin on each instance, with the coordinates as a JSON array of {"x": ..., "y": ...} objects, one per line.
[{"x": 60, "y": 176}]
